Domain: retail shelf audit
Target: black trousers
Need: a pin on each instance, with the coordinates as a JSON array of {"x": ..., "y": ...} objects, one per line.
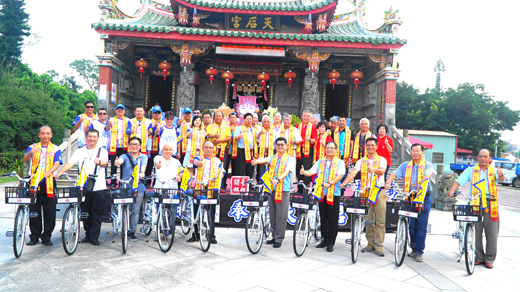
[
  {"x": 149, "y": 168},
  {"x": 49, "y": 214},
  {"x": 329, "y": 215},
  {"x": 113, "y": 168},
  {"x": 243, "y": 168},
  {"x": 93, "y": 205},
  {"x": 225, "y": 165},
  {"x": 307, "y": 164}
]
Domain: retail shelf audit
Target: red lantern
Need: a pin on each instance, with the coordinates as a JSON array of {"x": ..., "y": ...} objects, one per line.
[
  {"x": 165, "y": 66},
  {"x": 289, "y": 76},
  {"x": 263, "y": 78},
  {"x": 356, "y": 75},
  {"x": 333, "y": 75},
  {"x": 141, "y": 64},
  {"x": 211, "y": 72},
  {"x": 227, "y": 76}
]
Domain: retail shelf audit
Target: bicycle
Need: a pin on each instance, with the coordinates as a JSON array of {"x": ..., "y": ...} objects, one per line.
[
  {"x": 22, "y": 196},
  {"x": 119, "y": 214},
  {"x": 203, "y": 198},
  {"x": 465, "y": 217},
  {"x": 159, "y": 216},
  {"x": 358, "y": 207},
  {"x": 70, "y": 225},
  {"x": 406, "y": 209},
  {"x": 306, "y": 220},
  {"x": 258, "y": 225}
]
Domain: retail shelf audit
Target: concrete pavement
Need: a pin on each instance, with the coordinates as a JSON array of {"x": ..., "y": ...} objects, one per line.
[{"x": 228, "y": 266}]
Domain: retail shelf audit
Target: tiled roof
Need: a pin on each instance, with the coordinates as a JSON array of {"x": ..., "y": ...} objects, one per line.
[{"x": 273, "y": 5}]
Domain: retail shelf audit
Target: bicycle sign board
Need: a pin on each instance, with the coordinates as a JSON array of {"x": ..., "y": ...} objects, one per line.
[{"x": 238, "y": 184}]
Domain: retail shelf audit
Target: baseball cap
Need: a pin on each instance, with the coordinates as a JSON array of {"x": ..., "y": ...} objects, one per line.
[
  {"x": 156, "y": 109},
  {"x": 186, "y": 110},
  {"x": 120, "y": 106}
]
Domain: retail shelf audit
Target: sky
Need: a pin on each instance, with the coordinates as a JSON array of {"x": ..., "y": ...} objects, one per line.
[{"x": 472, "y": 38}]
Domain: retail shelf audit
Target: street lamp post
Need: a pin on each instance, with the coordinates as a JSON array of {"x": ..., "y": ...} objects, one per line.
[{"x": 496, "y": 146}]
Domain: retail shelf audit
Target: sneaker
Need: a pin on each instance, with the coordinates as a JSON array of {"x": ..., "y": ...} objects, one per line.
[
  {"x": 412, "y": 254},
  {"x": 368, "y": 248},
  {"x": 418, "y": 257},
  {"x": 379, "y": 252},
  {"x": 131, "y": 236}
]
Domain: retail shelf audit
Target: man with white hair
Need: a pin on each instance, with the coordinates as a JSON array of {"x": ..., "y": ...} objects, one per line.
[
  {"x": 265, "y": 137},
  {"x": 357, "y": 151}
]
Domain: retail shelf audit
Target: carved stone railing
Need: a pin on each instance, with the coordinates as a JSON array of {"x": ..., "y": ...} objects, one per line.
[{"x": 69, "y": 145}]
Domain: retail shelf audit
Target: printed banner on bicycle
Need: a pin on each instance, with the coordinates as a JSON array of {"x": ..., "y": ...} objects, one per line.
[{"x": 238, "y": 185}]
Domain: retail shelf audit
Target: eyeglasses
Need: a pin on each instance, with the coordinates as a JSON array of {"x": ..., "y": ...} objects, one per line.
[
  {"x": 102, "y": 114},
  {"x": 89, "y": 106},
  {"x": 280, "y": 145},
  {"x": 330, "y": 148},
  {"x": 134, "y": 144}
]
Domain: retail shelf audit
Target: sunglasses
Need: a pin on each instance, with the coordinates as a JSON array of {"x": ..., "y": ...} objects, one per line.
[
  {"x": 89, "y": 106},
  {"x": 157, "y": 112},
  {"x": 102, "y": 114}
]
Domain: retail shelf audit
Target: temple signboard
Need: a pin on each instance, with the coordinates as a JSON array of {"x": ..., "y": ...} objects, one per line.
[{"x": 252, "y": 22}]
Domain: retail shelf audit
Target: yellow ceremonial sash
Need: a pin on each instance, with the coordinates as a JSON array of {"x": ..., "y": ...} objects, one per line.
[
  {"x": 196, "y": 140},
  {"x": 306, "y": 145},
  {"x": 270, "y": 147},
  {"x": 156, "y": 139},
  {"x": 290, "y": 147},
  {"x": 492, "y": 188},
  {"x": 184, "y": 135},
  {"x": 247, "y": 149},
  {"x": 321, "y": 154},
  {"x": 408, "y": 175},
  {"x": 144, "y": 133},
  {"x": 113, "y": 136},
  {"x": 319, "y": 192},
  {"x": 233, "y": 147},
  {"x": 346, "y": 147},
  {"x": 355, "y": 155},
  {"x": 49, "y": 162},
  {"x": 364, "y": 172},
  {"x": 213, "y": 173},
  {"x": 221, "y": 132},
  {"x": 280, "y": 163},
  {"x": 86, "y": 122}
]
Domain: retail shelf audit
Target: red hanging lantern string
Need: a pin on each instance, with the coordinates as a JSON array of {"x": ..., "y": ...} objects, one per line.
[
  {"x": 141, "y": 64},
  {"x": 165, "y": 66},
  {"x": 289, "y": 76},
  {"x": 211, "y": 72},
  {"x": 356, "y": 75},
  {"x": 227, "y": 76},
  {"x": 333, "y": 76},
  {"x": 263, "y": 78}
]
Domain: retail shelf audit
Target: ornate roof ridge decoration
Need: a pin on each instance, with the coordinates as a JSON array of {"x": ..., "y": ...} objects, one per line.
[
  {"x": 244, "y": 6},
  {"x": 354, "y": 23},
  {"x": 150, "y": 13},
  {"x": 314, "y": 58},
  {"x": 187, "y": 50}
]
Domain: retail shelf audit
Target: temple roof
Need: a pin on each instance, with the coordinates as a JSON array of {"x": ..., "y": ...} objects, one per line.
[
  {"x": 349, "y": 27},
  {"x": 258, "y": 5}
]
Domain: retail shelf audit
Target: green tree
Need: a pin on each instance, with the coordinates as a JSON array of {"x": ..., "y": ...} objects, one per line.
[
  {"x": 13, "y": 29},
  {"x": 88, "y": 70}
]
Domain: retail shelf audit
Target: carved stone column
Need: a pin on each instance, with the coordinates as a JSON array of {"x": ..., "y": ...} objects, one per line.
[
  {"x": 311, "y": 95},
  {"x": 186, "y": 88}
]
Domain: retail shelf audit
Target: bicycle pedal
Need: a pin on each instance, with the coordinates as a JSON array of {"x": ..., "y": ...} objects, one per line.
[
  {"x": 83, "y": 215},
  {"x": 34, "y": 214},
  {"x": 110, "y": 232},
  {"x": 9, "y": 233},
  {"x": 348, "y": 241},
  {"x": 184, "y": 213}
]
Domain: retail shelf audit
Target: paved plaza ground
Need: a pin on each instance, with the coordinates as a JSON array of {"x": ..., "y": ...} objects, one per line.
[{"x": 228, "y": 266}]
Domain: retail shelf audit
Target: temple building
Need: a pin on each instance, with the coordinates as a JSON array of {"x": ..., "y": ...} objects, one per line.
[{"x": 293, "y": 55}]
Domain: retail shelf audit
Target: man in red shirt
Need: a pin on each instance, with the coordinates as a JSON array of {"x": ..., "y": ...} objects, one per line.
[
  {"x": 385, "y": 146},
  {"x": 305, "y": 150}
]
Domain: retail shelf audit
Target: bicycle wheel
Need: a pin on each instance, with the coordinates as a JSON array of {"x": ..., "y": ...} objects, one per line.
[
  {"x": 205, "y": 228},
  {"x": 254, "y": 232},
  {"x": 317, "y": 226},
  {"x": 401, "y": 240},
  {"x": 470, "y": 248},
  {"x": 124, "y": 229},
  {"x": 165, "y": 231},
  {"x": 301, "y": 234},
  {"x": 267, "y": 222},
  {"x": 460, "y": 235},
  {"x": 355, "y": 243},
  {"x": 185, "y": 216},
  {"x": 70, "y": 230},
  {"x": 147, "y": 224},
  {"x": 19, "y": 231}
]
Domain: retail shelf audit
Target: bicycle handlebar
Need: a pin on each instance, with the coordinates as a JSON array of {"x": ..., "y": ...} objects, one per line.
[{"x": 25, "y": 179}]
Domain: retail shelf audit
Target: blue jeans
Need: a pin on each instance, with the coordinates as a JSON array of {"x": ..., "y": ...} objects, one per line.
[{"x": 418, "y": 228}]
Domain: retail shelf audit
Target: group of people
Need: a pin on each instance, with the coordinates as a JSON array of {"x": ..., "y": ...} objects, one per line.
[{"x": 207, "y": 146}]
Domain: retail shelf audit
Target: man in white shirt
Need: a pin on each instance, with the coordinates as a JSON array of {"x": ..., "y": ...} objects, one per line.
[
  {"x": 168, "y": 133},
  {"x": 369, "y": 166},
  {"x": 100, "y": 125},
  {"x": 91, "y": 160}
]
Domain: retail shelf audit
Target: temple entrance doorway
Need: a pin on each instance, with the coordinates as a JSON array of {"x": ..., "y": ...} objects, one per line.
[
  {"x": 161, "y": 92},
  {"x": 336, "y": 101}
]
